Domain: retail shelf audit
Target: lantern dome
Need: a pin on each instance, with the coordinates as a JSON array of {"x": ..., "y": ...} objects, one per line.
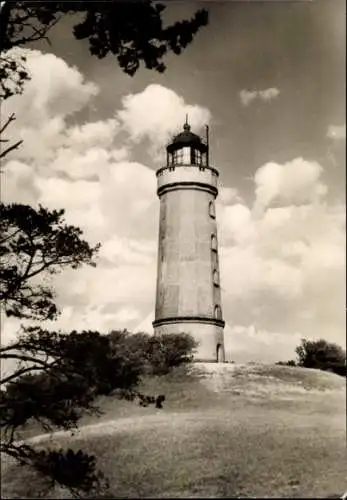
[{"x": 186, "y": 139}]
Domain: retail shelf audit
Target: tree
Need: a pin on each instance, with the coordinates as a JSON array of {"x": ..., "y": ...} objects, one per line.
[
  {"x": 133, "y": 31},
  {"x": 62, "y": 384},
  {"x": 57, "y": 380},
  {"x": 59, "y": 375},
  {"x": 36, "y": 243},
  {"x": 322, "y": 355}
]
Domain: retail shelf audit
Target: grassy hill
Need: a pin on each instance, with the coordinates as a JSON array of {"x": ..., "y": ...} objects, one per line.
[{"x": 225, "y": 431}]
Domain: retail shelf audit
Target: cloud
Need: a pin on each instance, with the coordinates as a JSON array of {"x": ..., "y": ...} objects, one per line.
[
  {"x": 139, "y": 120},
  {"x": 228, "y": 195},
  {"x": 296, "y": 180},
  {"x": 283, "y": 268},
  {"x": 282, "y": 259},
  {"x": 337, "y": 132},
  {"x": 254, "y": 344},
  {"x": 247, "y": 96},
  {"x": 41, "y": 114},
  {"x": 129, "y": 251}
]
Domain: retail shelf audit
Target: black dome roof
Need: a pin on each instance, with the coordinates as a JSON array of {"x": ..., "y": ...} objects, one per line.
[{"x": 186, "y": 138}]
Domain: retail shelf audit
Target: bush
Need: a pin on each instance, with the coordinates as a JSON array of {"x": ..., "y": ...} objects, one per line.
[
  {"x": 291, "y": 362},
  {"x": 322, "y": 355},
  {"x": 157, "y": 354},
  {"x": 168, "y": 351}
]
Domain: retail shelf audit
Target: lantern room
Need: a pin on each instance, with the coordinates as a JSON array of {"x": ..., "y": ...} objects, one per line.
[{"x": 187, "y": 148}]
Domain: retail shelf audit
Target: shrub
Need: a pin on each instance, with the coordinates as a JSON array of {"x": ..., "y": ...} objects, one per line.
[
  {"x": 291, "y": 362},
  {"x": 157, "y": 354},
  {"x": 322, "y": 355},
  {"x": 167, "y": 351}
]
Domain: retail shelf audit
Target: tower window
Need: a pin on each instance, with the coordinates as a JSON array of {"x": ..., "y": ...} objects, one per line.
[
  {"x": 178, "y": 157},
  {"x": 214, "y": 242},
  {"x": 217, "y": 312},
  {"x": 186, "y": 156},
  {"x": 215, "y": 278},
  {"x": 211, "y": 210},
  {"x": 197, "y": 157}
]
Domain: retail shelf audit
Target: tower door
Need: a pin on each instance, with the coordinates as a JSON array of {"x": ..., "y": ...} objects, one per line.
[{"x": 220, "y": 357}]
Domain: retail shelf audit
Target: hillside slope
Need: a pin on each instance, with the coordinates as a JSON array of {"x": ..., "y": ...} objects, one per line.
[{"x": 226, "y": 430}]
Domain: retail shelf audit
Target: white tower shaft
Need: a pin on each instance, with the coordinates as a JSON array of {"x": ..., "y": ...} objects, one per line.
[{"x": 188, "y": 298}]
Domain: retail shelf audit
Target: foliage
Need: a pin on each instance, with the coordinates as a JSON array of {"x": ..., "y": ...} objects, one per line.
[
  {"x": 74, "y": 470},
  {"x": 160, "y": 353},
  {"x": 36, "y": 242},
  {"x": 47, "y": 384},
  {"x": 291, "y": 362},
  {"x": 13, "y": 75},
  {"x": 80, "y": 367},
  {"x": 72, "y": 370},
  {"x": 133, "y": 31},
  {"x": 322, "y": 355},
  {"x": 60, "y": 376},
  {"x": 170, "y": 350}
]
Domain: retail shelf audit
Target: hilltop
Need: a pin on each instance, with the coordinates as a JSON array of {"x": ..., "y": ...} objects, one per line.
[{"x": 225, "y": 430}]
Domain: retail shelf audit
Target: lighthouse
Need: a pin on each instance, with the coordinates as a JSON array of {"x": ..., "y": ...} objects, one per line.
[{"x": 188, "y": 293}]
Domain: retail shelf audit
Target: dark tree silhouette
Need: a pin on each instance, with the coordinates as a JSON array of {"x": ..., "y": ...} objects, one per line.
[
  {"x": 58, "y": 379},
  {"x": 36, "y": 242},
  {"x": 322, "y": 355},
  {"x": 133, "y": 31}
]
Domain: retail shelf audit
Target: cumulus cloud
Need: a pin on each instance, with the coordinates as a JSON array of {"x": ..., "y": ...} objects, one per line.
[
  {"x": 228, "y": 195},
  {"x": 54, "y": 92},
  {"x": 296, "y": 180},
  {"x": 247, "y": 96},
  {"x": 141, "y": 122},
  {"x": 337, "y": 132}
]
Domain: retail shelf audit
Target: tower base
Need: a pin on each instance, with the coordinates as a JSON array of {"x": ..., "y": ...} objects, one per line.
[{"x": 208, "y": 333}]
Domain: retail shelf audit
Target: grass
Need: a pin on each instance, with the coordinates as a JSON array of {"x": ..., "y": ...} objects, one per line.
[{"x": 225, "y": 431}]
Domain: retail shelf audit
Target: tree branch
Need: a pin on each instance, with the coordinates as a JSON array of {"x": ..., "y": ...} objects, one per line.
[
  {"x": 10, "y": 119},
  {"x": 9, "y": 236},
  {"x": 54, "y": 262},
  {"x": 26, "y": 272},
  {"x": 9, "y": 347},
  {"x": 10, "y": 148},
  {"x": 23, "y": 357},
  {"x": 38, "y": 34},
  {"x": 18, "y": 373},
  {"x": 16, "y": 145}
]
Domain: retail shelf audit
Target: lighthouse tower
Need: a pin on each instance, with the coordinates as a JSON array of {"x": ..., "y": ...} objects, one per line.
[{"x": 188, "y": 297}]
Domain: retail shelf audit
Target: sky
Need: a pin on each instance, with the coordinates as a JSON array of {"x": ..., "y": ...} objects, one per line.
[{"x": 269, "y": 79}]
